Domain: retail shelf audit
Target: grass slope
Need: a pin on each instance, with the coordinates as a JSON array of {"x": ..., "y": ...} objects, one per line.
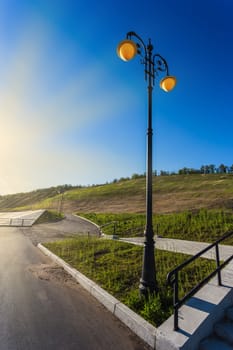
[
  {"x": 28, "y": 200},
  {"x": 171, "y": 194},
  {"x": 204, "y": 225},
  {"x": 116, "y": 267}
]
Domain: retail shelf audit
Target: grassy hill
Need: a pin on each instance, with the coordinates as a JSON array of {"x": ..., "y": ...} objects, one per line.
[{"x": 174, "y": 193}]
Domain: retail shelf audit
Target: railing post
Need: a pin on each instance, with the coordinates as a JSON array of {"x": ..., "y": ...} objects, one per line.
[
  {"x": 218, "y": 265},
  {"x": 175, "y": 301},
  {"x": 172, "y": 277}
]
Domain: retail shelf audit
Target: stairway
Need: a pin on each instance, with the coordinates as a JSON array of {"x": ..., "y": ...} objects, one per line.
[{"x": 222, "y": 337}]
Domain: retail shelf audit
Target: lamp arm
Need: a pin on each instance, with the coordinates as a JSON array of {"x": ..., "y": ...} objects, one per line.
[
  {"x": 160, "y": 63},
  {"x": 130, "y": 34}
]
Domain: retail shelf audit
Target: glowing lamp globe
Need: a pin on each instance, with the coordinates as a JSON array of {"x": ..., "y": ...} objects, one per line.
[
  {"x": 168, "y": 83},
  {"x": 127, "y": 50}
]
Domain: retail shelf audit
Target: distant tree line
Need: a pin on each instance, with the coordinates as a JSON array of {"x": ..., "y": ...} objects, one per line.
[{"x": 204, "y": 169}]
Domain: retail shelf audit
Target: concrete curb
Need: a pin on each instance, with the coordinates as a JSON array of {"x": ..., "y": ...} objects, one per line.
[
  {"x": 137, "y": 324},
  {"x": 91, "y": 222},
  {"x": 101, "y": 234}
]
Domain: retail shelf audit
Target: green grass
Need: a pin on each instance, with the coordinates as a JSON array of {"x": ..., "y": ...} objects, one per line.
[
  {"x": 201, "y": 225},
  {"x": 171, "y": 194},
  {"x": 50, "y": 216},
  {"x": 116, "y": 267},
  {"x": 31, "y": 200},
  {"x": 124, "y": 225}
]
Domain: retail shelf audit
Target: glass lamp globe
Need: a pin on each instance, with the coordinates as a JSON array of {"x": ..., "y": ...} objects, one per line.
[
  {"x": 127, "y": 50},
  {"x": 168, "y": 83}
]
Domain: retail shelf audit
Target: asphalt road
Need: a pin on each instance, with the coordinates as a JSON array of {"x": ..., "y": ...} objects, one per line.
[
  {"x": 42, "y": 307},
  {"x": 71, "y": 225}
]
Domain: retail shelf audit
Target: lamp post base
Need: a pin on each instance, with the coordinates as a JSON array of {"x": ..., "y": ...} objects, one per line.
[
  {"x": 145, "y": 289},
  {"x": 148, "y": 283}
]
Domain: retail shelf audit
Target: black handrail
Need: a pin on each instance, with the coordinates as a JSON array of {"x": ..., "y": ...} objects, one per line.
[
  {"x": 130, "y": 230},
  {"x": 172, "y": 277},
  {"x": 108, "y": 224}
]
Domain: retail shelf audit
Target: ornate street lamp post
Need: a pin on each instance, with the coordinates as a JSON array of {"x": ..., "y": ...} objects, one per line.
[{"x": 153, "y": 64}]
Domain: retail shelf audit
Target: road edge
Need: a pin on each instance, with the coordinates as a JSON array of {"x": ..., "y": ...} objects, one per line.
[{"x": 136, "y": 323}]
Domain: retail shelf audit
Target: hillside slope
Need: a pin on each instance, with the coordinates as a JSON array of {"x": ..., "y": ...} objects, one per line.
[{"x": 170, "y": 194}]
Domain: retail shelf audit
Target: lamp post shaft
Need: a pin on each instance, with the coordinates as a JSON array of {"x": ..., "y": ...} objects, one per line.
[
  {"x": 148, "y": 283},
  {"x": 154, "y": 64}
]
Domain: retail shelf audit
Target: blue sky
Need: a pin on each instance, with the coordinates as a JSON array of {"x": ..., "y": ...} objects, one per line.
[{"x": 72, "y": 112}]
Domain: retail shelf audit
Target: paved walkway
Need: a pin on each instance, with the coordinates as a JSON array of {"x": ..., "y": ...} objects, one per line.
[
  {"x": 20, "y": 218},
  {"x": 186, "y": 247}
]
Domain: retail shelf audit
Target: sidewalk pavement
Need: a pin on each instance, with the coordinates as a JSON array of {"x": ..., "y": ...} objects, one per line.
[{"x": 186, "y": 247}]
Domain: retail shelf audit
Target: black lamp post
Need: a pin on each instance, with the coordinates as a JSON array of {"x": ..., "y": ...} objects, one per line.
[{"x": 153, "y": 64}]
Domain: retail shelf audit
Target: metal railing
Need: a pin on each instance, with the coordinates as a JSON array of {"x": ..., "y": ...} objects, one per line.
[
  {"x": 17, "y": 222},
  {"x": 173, "y": 276},
  {"x": 114, "y": 223},
  {"x": 136, "y": 230}
]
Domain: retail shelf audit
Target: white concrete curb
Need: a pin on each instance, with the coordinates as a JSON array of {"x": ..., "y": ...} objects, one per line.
[
  {"x": 137, "y": 324},
  {"x": 91, "y": 222}
]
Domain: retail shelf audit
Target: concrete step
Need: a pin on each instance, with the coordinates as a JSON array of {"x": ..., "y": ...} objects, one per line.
[
  {"x": 224, "y": 330},
  {"x": 223, "y": 334},
  {"x": 214, "y": 343},
  {"x": 229, "y": 314}
]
